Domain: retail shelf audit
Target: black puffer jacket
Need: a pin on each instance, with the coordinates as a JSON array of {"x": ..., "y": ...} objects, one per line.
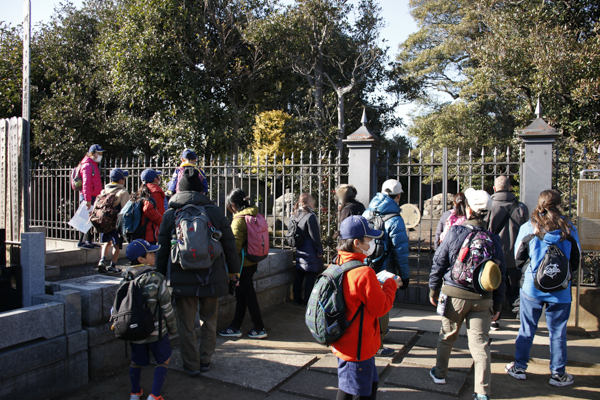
[
  {"x": 445, "y": 257},
  {"x": 187, "y": 283}
]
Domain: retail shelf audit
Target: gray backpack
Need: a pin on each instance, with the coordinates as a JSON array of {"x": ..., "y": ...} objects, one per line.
[{"x": 197, "y": 239}]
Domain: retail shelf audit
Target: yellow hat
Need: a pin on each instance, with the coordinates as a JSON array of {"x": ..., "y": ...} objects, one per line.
[{"x": 489, "y": 277}]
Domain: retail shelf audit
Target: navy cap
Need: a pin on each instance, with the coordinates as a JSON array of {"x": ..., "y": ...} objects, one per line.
[
  {"x": 96, "y": 148},
  {"x": 149, "y": 175},
  {"x": 117, "y": 174},
  {"x": 189, "y": 154},
  {"x": 139, "y": 248},
  {"x": 357, "y": 227}
]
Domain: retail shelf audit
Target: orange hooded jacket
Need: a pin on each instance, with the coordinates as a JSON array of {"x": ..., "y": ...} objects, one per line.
[{"x": 362, "y": 287}]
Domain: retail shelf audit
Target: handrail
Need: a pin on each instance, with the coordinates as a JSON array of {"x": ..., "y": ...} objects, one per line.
[{"x": 585, "y": 171}]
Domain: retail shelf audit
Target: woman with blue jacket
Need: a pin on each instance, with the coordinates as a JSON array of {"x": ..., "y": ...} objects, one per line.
[{"x": 547, "y": 227}]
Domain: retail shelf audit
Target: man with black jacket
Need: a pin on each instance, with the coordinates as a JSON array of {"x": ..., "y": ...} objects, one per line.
[
  {"x": 197, "y": 287},
  {"x": 505, "y": 219}
]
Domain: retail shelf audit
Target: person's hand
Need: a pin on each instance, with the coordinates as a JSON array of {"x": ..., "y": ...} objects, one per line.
[
  {"x": 496, "y": 316},
  {"x": 88, "y": 204},
  {"x": 320, "y": 255},
  {"x": 234, "y": 277},
  {"x": 405, "y": 283},
  {"x": 433, "y": 301},
  {"x": 398, "y": 281}
]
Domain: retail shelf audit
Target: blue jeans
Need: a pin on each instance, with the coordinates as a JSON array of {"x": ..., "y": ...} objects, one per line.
[{"x": 557, "y": 315}]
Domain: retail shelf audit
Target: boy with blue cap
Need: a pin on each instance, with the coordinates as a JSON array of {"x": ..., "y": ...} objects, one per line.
[
  {"x": 113, "y": 239},
  {"x": 143, "y": 257},
  {"x": 189, "y": 159},
  {"x": 357, "y": 374}
]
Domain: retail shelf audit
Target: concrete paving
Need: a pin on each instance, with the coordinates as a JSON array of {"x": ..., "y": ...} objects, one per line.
[{"x": 290, "y": 365}]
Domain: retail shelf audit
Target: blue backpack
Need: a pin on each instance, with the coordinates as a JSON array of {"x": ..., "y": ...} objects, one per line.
[{"x": 132, "y": 214}]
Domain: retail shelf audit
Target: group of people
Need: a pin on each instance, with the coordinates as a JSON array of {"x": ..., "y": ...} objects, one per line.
[{"x": 493, "y": 230}]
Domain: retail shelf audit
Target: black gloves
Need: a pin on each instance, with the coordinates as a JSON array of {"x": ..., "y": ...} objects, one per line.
[{"x": 404, "y": 283}]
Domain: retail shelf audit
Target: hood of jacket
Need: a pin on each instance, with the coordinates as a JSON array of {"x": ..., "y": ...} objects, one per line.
[
  {"x": 137, "y": 270},
  {"x": 182, "y": 199},
  {"x": 88, "y": 160},
  {"x": 504, "y": 196},
  {"x": 114, "y": 188},
  {"x": 553, "y": 237},
  {"x": 253, "y": 211},
  {"x": 384, "y": 204}
]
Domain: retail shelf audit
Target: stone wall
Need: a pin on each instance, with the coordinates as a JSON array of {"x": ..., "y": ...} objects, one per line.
[
  {"x": 435, "y": 205},
  {"x": 43, "y": 349}
]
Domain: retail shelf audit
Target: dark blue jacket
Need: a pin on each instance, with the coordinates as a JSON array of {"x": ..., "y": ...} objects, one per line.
[
  {"x": 307, "y": 255},
  {"x": 445, "y": 257},
  {"x": 395, "y": 235}
]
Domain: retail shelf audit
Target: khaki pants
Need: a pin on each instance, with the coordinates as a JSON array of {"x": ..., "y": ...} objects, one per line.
[
  {"x": 383, "y": 326},
  {"x": 478, "y": 317},
  {"x": 186, "y": 325}
]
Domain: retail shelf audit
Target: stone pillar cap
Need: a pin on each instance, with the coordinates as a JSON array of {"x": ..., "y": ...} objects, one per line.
[{"x": 362, "y": 134}]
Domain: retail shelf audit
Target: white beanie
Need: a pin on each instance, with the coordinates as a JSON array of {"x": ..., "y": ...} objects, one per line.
[{"x": 478, "y": 200}]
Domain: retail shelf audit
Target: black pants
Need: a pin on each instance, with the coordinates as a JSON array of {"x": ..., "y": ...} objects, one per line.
[
  {"x": 513, "y": 284},
  {"x": 246, "y": 298},
  {"x": 309, "y": 281}
]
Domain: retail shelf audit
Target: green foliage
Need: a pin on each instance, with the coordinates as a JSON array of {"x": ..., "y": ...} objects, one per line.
[
  {"x": 272, "y": 133},
  {"x": 11, "y": 60}
]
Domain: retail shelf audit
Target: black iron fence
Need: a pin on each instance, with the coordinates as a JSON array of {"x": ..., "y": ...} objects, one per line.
[
  {"x": 568, "y": 164},
  {"x": 430, "y": 180},
  {"x": 273, "y": 184}
]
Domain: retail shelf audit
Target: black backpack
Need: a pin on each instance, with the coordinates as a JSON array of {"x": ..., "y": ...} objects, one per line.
[
  {"x": 377, "y": 221},
  {"x": 295, "y": 236},
  {"x": 132, "y": 319},
  {"x": 554, "y": 272}
]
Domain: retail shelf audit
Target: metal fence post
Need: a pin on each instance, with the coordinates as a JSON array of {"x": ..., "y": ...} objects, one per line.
[
  {"x": 537, "y": 173},
  {"x": 362, "y": 161}
]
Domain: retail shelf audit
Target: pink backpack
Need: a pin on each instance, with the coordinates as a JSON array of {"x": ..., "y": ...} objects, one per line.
[
  {"x": 257, "y": 237},
  {"x": 450, "y": 222}
]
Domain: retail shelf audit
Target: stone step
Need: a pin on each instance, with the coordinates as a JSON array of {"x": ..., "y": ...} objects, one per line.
[{"x": 417, "y": 377}]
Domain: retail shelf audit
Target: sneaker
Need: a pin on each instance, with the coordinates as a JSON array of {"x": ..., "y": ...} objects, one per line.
[
  {"x": 495, "y": 325},
  {"x": 85, "y": 246},
  {"x": 102, "y": 266},
  {"x": 192, "y": 373},
  {"x": 205, "y": 367},
  {"x": 385, "y": 352},
  {"x": 564, "y": 380},
  {"x": 230, "y": 332},
  {"x": 436, "y": 380},
  {"x": 153, "y": 397},
  {"x": 112, "y": 269},
  {"x": 136, "y": 396},
  {"x": 96, "y": 245},
  {"x": 254, "y": 334},
  {"x": 481, "y": 396},
  {"x": 517, "y": 373}
]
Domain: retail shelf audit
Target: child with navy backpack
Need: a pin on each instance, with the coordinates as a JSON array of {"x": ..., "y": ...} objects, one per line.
[
  {"x": 356, "y": 348},
  {"x": 143, "y": 257}
]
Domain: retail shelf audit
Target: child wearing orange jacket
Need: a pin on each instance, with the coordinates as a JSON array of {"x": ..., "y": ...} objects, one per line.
[{"x": 357, "y": 374}]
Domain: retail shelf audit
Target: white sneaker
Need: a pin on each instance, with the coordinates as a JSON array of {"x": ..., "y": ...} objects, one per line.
[
  {"x": 136, "y": 396},
  {"x": 436, "y": 380},
  {"x": 564, "y": 380},
  {"x": 517, "y": 373}
]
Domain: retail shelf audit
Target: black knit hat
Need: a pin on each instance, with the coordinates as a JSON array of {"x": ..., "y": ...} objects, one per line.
[{"x": 191, "y": 181}]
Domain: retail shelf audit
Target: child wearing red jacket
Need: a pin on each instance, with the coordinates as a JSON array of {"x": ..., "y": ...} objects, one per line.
[
  {"x": 357, "y": 374},
  {"x": 154, "y": 204}
]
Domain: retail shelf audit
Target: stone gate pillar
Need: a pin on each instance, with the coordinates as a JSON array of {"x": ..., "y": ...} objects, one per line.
[
  {"x": 537, "y": 169},
  {"x": 362, "y": 161}
]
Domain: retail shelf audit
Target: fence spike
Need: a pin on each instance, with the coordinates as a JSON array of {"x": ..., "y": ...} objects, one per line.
[
  {"x": 329, "y": 157},
  {"x": 470, "y": 152},
  {"x": 507, "y": 151},
  {"x": 483, "y": 152},
  {"x": 495, "y": 151},
  {"x": 458, "y": 152},
  {"x": 420, "y": 155}
]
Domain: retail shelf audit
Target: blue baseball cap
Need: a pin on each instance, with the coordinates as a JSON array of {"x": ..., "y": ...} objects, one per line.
[
  {"x": 189, "y": 154},
  {"x": 149, "y": 175},
  {"x": 96, "y": 148},
  {"x": 357, "y": 227},
  {"x": 139, "y": 248},
  {"x": 117, "y": 174}
]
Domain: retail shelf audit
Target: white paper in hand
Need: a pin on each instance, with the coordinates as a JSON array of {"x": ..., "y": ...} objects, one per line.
[
  {"x": 384, "y": 275},
  {"x": 81, "y": 219}
]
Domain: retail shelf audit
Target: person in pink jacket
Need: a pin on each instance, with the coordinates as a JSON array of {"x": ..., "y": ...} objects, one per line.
[{"x": 91, "y": 188}]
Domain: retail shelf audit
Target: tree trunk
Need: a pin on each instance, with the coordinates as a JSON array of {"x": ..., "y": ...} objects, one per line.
[
  {"x": 341, "y": 122},
  {"x": 319, "y": 96}
]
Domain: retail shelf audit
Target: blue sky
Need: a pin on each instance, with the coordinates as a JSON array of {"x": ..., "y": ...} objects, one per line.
[{"x": 399, "y": 23}]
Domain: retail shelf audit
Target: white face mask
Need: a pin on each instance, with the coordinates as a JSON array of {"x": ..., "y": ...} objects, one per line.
[
  {"x": 98, "y": 158},
  {"x": 370, "y": 250}
]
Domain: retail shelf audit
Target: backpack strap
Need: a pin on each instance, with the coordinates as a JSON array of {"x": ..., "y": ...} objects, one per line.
[
  {"x": 507, "y": 217},
  {"x": 387, "y": 217},
  {"x": 348, "y": 266}
]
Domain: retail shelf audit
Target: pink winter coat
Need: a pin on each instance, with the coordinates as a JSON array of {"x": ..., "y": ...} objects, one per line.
[{"x": 91, "y": 182}]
